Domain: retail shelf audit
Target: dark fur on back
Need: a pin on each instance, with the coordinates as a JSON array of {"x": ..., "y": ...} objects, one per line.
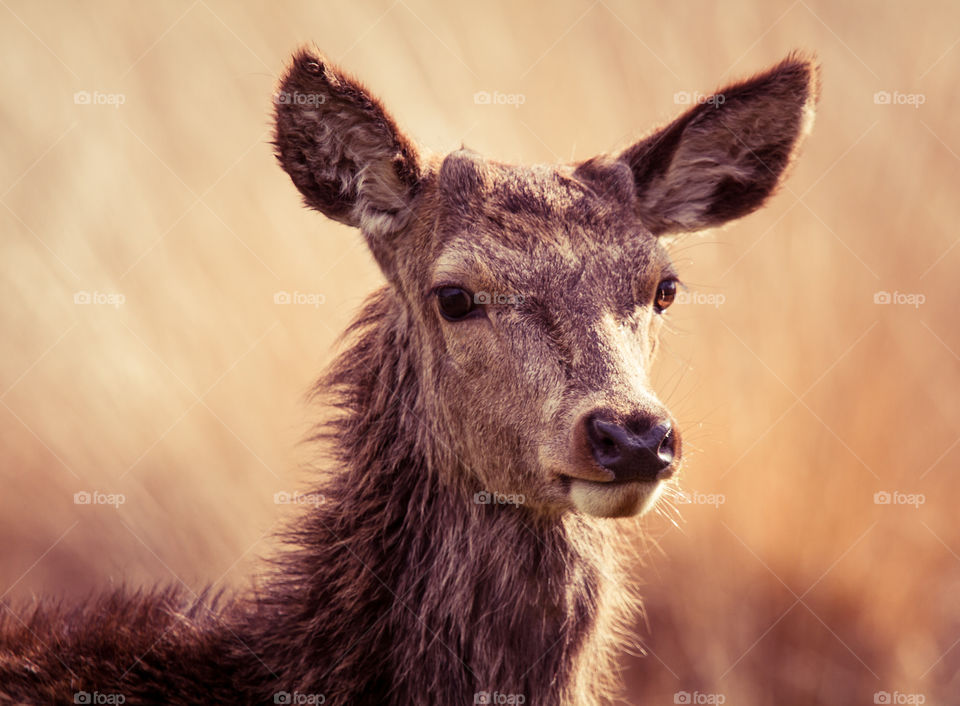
[{"x": 154, "y": 647}]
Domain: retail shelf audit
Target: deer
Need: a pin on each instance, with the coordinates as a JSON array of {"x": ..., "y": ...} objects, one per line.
[{"x": 492, "y": 423}]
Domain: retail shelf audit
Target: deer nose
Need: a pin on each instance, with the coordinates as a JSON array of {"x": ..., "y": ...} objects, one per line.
[{"x": 641, "y": 450}]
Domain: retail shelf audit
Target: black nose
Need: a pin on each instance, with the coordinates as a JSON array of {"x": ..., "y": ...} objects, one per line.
[{"x": 640, "y": 450}]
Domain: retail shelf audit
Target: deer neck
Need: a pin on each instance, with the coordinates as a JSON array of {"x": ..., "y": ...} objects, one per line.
[{"x": 398, "y": 583}]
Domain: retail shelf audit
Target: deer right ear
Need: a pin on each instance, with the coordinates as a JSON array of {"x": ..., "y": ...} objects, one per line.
[
  {"x": 722, "y": 158},
  {"x": 343, "y": 151}
]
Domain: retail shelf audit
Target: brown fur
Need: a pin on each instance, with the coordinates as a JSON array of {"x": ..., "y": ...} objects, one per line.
[{"x": 401, "y": 588}]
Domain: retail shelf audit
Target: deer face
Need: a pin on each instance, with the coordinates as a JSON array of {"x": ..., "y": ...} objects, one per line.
[
  {"x": 544, "y": 301},
  {"x": 536, "y": 295}
]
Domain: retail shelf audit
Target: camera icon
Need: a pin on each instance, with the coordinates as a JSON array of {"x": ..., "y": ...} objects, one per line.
[
  {"x": 481, "y": 298},
  {"x": 82, "y": 98},
  {"x": 282, "y": 697},
  {"x": 682, "y": 98},
  {"x": 482, "y": 98},
  {"x": 882, "y": 497},
  {"x": 882, "y": 98},
  {"x": 81, "y": 297},
  {"x": 682, "y": 697},
  {"x": 282, "y": 498},
  {"x": 482, "y": 498},
  {"x": 281, "y": 298},
  {"x": 882, "y": 297},
  {"x": 82, "y": 498},
  {"x": 882, "y": 697},
  {"x": 82, "y": 697}
]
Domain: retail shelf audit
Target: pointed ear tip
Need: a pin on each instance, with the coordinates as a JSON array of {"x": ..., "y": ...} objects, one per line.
[
  {"x": 308, "y": 52},
  {"x": 306, "y": 63},
  {"x": 806, "y": 65}
]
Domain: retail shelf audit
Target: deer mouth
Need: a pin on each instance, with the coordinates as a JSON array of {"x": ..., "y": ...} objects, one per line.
[
  {"x": 612, "y": 498},
  {"x": 599, "y": 476}
]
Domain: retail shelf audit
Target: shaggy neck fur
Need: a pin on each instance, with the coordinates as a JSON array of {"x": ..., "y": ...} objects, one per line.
[{"x": 400, "y": 590}]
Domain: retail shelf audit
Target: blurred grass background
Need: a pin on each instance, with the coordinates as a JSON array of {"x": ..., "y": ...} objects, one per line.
[{"x": 800, "y": 396}]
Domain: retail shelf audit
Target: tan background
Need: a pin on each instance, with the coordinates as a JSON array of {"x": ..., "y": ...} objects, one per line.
[{"x": 800, "y": 396}]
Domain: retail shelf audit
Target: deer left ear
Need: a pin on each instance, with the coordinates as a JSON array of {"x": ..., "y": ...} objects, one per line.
[
  {"x": 722, "y": 158},
  {"x": 344, "y": 152}
]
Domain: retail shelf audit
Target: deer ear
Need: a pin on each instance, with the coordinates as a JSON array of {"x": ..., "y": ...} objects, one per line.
[
  {"x": 722, "y": 158},
  {"x": 343, "y": 151}
]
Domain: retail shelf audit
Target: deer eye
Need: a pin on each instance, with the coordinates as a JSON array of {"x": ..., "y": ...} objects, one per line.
[
  {"x": 666, "y": 293},
  {"x": 455, "y": 304}
]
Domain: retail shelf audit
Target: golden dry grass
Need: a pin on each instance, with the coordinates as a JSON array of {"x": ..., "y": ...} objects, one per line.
[{"x": 801, "y": 396}]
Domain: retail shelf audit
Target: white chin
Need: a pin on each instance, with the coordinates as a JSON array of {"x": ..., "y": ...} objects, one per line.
[{"x": 614, "y": 499}]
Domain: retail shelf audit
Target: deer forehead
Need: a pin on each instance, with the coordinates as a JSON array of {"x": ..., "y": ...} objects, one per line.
[
  {"x": 551, "y": 268},
  {"x": 547, "y": 204},
  {"x": 537, "y": 228}
]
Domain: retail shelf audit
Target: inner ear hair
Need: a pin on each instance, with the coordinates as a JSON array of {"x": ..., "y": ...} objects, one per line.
[
  {"x": 726, "y": 155},
  {"x": 342, "y": 149}
]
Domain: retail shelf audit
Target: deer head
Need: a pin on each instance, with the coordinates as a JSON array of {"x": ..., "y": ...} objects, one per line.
[{"x": 534, "y": 296}]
